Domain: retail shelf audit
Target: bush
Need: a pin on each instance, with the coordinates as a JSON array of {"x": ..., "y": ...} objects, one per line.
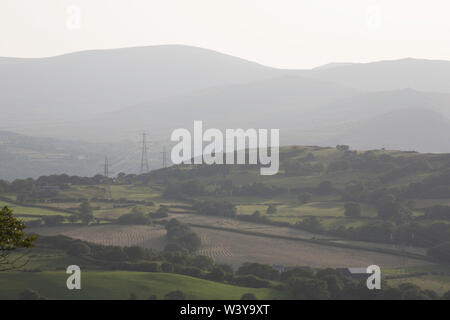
[
  {"x": 438, "y": 212},
  {"x": 325, "y": 188},
  {"x": 251, "y": 281},
  {"x": 147, "y": 267},
  {"x": 262, "y": 271},
  {"x": 202, "y": 262},
  {"x": 215, "y": 208},
  {"x": 132, "y": 296},
  {"x": 441, "y": 252},
  {"x": 79, "y": 249},
  {"x": 248, "y": 296},
  {"x": 53, "y": 220},
  {"x": 30, "y": 294},
  {"x": 134, "y": 218},
  {"x": 271, "y": 209},
  {"x": 162, "y": 212},
  {"x": 175, "y": 295},
  {"x": 180, "y": 237},
  {"x": 192, "y": 272},
  {"x": 34, "y": 223},
  {"x": 305, "y": 197},
  {"x": 135, "y": 252},
  {"x": 166, "y": 267},
  {"x": 352, "y": 209},
  {"x": 114, "y": 254},
  {"x": 217, "y": 274},
  {"x": 309, "y": 289},
  {"x": 297, "y": 272}
]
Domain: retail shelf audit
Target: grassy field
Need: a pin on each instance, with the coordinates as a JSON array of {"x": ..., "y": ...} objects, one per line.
[
  {"x": 120, "y": 284},
  {"x": 21, "y": 210}
]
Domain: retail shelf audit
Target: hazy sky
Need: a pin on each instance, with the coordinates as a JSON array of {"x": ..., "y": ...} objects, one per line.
[{"x": 280, "y": 33}]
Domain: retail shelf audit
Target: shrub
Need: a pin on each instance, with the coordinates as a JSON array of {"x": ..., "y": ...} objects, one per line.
[
  {"x": 135, "y": 252},
  {"x": 30, "y": 294},
  {"x": 79, "y": 249},
  {"x": 271, "y": 209},
  {"x": 251, "y": 281},
  {"x": 248, "y": 296},
  {"x": 166, "y": 267},
  {"x": 352, "y": 209},
  {"x": 175, "y": 295}
]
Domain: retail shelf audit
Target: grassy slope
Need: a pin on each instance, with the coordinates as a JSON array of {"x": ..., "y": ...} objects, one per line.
[
  {"x": 119, "y": 285},
  {"x": 22, "y": 210}
]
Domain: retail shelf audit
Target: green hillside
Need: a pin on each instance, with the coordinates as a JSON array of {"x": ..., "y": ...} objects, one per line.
[{"x": 120, "y": 284}]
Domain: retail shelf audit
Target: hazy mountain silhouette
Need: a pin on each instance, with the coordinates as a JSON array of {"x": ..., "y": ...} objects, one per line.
[
  {"x": 419, "y": 74},
  {"x": 273, "y": 103},
  {"x": 406, "y": 129},
  {"x": 91, "y": 82},
  {"x": 369, "y": 104},
  {"x": 111, "y": 95}
]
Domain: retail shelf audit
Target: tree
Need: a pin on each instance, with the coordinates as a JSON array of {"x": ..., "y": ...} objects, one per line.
[
  {"x": 352, "y": 209},
  {"x": 271, "y": 209},
  {"x": 305, "y": 197},
  {"x": 260, "y": 270},
  {"x": 217, "y": 274},
  {"x": 162, "y": 212},
  {"x": 325, "y": 188},
  {"x": 79, "y": 249},
  {"x": 309, "y": 289},
  {"x": 390, "y": 209},
  {"x": 135, "y": 252},
  {"x": 441, "y": 252},
  {"x": 342, "y": 147},
  {"x": 86, "y": 214},
  {"x": 202, "y": 262},
  {"x": 12, "y": 237},
  {"x": 135, "y": 217},
  {"x": 256, "y": 214},
  {"x": 53, "y": 220},
  {"x": 167, "y": 267},
  {"x": 251, "y": 281},
  {"x": 73, "y": 218}
]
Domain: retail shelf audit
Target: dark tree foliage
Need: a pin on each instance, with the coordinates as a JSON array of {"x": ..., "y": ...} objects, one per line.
[
  {"x": 180, "y": 237},
  {"x": 260, "y": 270},
  {"x": 12, "y": 237},
  {"x": 215, "y": 208},
  {"x": 352, "y": 209}
]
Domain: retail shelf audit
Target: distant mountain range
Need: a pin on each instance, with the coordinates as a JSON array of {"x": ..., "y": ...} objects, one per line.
[{"x": 109, "y": 96}]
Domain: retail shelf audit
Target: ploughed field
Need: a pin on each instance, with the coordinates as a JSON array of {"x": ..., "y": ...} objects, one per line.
[
  {"x": 228, "y": 241},
  {"x": 152, "y": 237},
  {"x": 235, "y": 249}
]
